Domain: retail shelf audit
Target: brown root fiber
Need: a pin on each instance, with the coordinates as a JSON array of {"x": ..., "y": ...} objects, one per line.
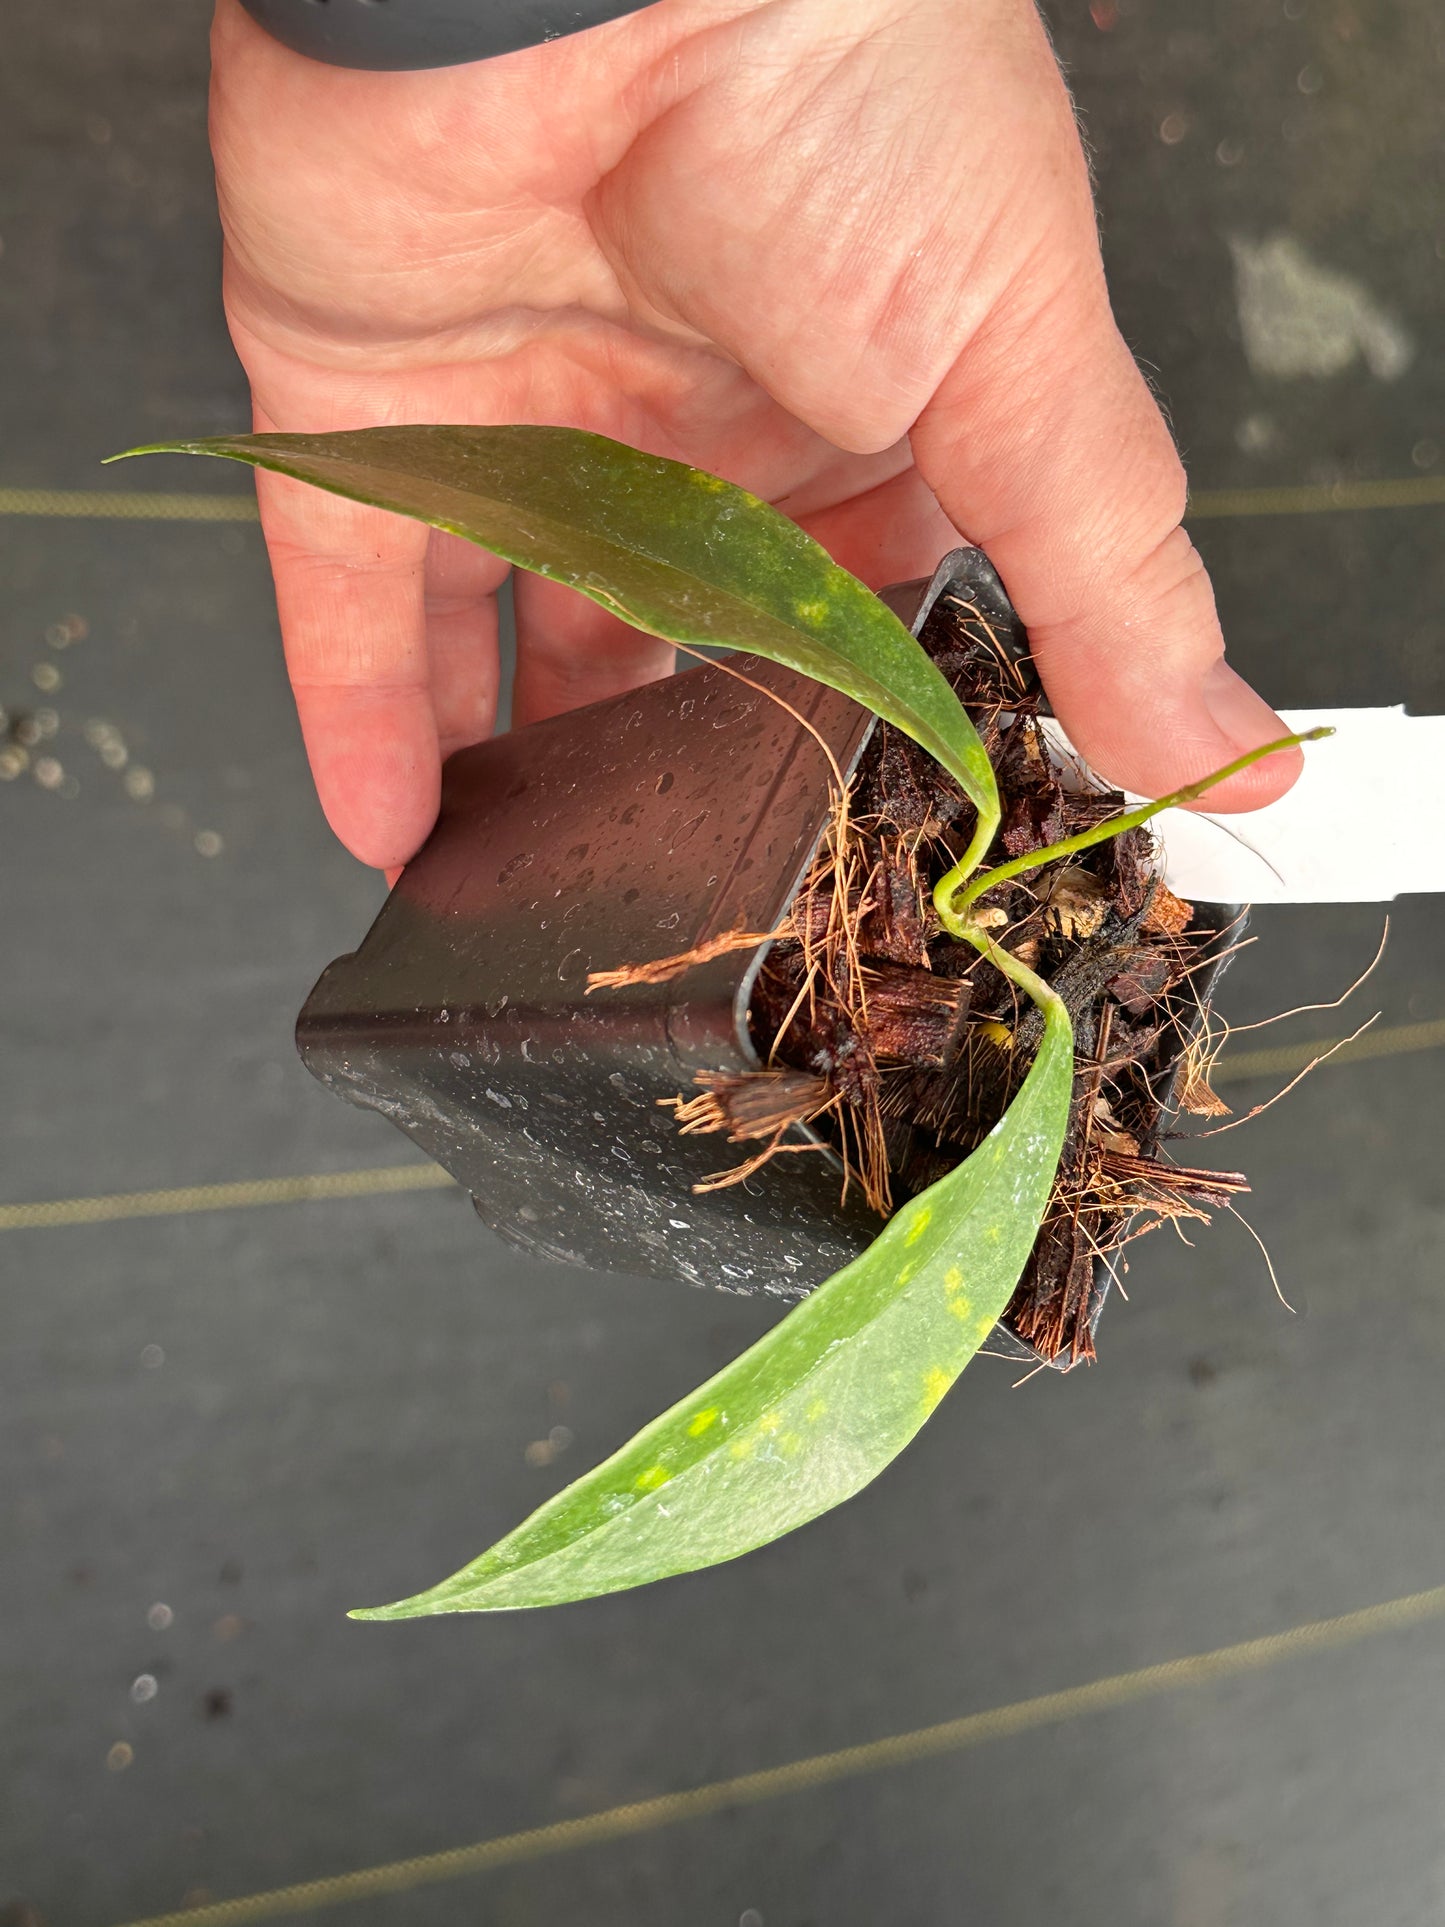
[{"x": 902, "y": 1047}]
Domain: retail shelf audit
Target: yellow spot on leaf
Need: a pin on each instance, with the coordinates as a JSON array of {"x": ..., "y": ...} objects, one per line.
[
  {"x": 919, "y": 1225},
  {"x": 652, "y": 1478},
  {"x": 817, "y": 1408},
  {"x": 958, "y": 1300},
  {"x": 770, "y": 1422},
  {"x": 936, "y": 1382},
  {"x": 744, "y": 1447},
  {"x": 810, "y": 611},
  {"x": 702, "y": 1422},
  {"x": 904, "y": 1275}
]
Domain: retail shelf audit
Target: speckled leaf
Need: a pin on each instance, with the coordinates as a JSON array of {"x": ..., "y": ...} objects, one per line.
[
  {"x": 672, "y": 550},
  {"x": 817, "y": 1408}
]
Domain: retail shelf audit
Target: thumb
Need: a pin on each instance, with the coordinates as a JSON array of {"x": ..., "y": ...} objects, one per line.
[{"x": 1044, "y": 444}]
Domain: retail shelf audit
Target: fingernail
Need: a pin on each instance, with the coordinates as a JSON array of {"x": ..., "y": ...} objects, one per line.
[{"x": 1243, "y": 718}]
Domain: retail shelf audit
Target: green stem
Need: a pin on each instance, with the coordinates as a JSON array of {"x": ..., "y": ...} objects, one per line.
[
  {"x": 952, "y": 900},
  {"x": 1034, "y": 987},
  {"x": 987, "y": 829}
]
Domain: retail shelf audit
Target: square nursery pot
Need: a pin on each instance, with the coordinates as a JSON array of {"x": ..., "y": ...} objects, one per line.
[{"x": 615, "y": 835}]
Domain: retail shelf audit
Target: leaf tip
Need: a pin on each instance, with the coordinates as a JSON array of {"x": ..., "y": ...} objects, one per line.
[
  {"x": 399, "y": 1609},
  {"x": 448, "y": 1597},
  {"x": 151, "y": 448}
]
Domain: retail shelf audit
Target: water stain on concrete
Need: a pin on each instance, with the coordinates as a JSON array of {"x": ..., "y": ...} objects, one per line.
[{"x": 1299, "y": 318}]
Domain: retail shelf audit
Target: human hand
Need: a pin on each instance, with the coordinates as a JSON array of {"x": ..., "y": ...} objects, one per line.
[{"x": 844, "y": 256}]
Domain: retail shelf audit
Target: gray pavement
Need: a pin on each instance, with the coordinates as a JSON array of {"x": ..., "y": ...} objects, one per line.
[{"x": 258, "y": 1417}]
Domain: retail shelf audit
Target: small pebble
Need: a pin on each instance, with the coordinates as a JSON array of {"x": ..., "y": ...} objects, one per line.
[
  {"x": 47, "y": 721},
  {"x": 539, "y": 1452},
  {"x": 49, "y": 774},
  {"x": 160, "y": 1617},
  {"x": 13, "y": 762},
  {"x": 152, "y": 1357},
  {"x": 114, "y": 754},
  {"x": 98, "y": 732},
  {"x": 144, "y": 1687},
  {"x": 140, "y": 785},
  {"x": 208, "y": 843},
  {"x": 46, "y": 676},
  {"x": 1173, "y": 128},
  {"x": 27, "y": 731},
  {"x": 119, "y": 1757}
]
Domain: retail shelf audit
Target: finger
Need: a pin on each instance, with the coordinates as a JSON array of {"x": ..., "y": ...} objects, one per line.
[
  {"x": 349, "y": 592},
  {"x": 571, "y": 652},
  {"x": 1045, "y": 445},
  {"x": 461, "y": 638}
]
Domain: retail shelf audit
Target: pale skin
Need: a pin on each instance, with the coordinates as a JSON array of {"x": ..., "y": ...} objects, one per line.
[{"x": 840, "y": 251}]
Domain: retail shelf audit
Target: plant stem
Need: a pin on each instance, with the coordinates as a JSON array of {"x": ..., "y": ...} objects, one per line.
[
  {"x": 952, "y": 901},
  {"x": 1047, "y": 999},
  {"x": 984, "y": 834}
]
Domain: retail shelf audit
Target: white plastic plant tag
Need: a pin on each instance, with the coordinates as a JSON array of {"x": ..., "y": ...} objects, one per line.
[{"x": 1362, "y": 824}]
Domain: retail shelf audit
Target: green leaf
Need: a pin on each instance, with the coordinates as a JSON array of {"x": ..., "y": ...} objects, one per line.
[
  {"x": 818, "y": 1407},
  {"x": 670, "y": 549}
]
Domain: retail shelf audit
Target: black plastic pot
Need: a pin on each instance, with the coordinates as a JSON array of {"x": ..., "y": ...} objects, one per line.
[{"x": 629, "y": 831}]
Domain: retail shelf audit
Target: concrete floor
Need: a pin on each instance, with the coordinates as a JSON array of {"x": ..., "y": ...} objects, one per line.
[{"x": 257, "y": 1418}]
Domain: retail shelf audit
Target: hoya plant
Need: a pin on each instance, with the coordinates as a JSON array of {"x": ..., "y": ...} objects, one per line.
[{"x": 818, "y": 1407}]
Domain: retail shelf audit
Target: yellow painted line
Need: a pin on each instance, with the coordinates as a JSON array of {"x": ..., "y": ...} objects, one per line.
[
  {"x": 1406, "y": 491},
  {"x": 378, "y": 1180},
  {"x": 367, "y": 1183},
  {"x": 1392, "y": 1041},
  {"x": 126, "y": 505},
  {"x": 820, "y": 1770}
]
